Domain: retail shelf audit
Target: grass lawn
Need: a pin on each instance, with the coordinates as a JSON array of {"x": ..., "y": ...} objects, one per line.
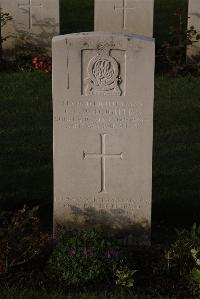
[
  {"x": 176, "y": 172},
  {"x": 25, "y": 139},
  {"x": 26, "y": 145},
  {"x": 14, "y": 294}
]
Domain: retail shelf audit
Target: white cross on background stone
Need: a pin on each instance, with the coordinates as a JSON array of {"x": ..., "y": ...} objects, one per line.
[
  {"x": 124, "y": 8},
  {"x": 29, "y": 5},
  {"x": 103, "y": 156}
]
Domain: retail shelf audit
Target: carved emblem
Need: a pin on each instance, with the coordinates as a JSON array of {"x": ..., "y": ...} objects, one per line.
[{"x": 103, "y": 73}]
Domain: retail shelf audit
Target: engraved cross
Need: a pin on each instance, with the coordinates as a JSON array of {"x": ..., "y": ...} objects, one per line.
[
  {"x": 124, "y": 8},
  {"x": 29, "y": 5},
  {"x": 103, "y": 156}
]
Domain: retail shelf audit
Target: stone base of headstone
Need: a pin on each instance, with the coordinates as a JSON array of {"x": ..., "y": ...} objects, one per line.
[{"x": 137, "y": 235}]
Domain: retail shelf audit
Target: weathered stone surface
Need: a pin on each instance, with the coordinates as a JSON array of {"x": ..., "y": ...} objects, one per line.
[
  {"x": 103, "y": 86},
  {"x": 131, "y": 16},
  {"x": 194, "y": 20},
  {"x": 34, "y": 24}
]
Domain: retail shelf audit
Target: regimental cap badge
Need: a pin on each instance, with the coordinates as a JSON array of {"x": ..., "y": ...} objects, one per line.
[{"x": 103, "y": 73}]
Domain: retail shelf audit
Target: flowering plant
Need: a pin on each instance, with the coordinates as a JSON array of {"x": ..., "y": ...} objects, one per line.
[
  {"x": 42, "y": 63},
  {"x": 20, "y": 237},
  {"x": 85, "y": 257}
]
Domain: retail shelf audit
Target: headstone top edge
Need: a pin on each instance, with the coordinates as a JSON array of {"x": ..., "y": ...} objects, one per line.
[{"x": 103, "y": 34}]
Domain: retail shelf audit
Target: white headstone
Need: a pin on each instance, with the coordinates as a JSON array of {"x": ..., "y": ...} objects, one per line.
[
  {"x": 103, "y": 89},
  {"x": 194, "y": 20},
  {"x": 131, "y": 16},
  {"x": 34, "y": 22}
]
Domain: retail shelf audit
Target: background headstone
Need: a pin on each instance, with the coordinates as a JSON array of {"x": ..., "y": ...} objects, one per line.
[
  {"x": 34, "y": 24},
  {"x": 194, "y": 20},
  {"x": 103, "y": 86},
  {"x": 131, "y": 16}
]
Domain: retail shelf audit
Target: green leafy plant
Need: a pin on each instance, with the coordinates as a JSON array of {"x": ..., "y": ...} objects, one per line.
[
  {"x": 179, "y": 254},
  {"x": 85, "y": 257},
  {"x": 4, "y": 19},
  {"x": 20, "y": 237},
  {"x": 172, "y": 53},
  {"x": 124, "y": 277},
  {"x": 195, "y": 273}
]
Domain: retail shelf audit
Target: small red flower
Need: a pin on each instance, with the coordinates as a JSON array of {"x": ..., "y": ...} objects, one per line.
[
  {"x": 34, "y": 60},
  {"x": 42, "y": 63}
]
